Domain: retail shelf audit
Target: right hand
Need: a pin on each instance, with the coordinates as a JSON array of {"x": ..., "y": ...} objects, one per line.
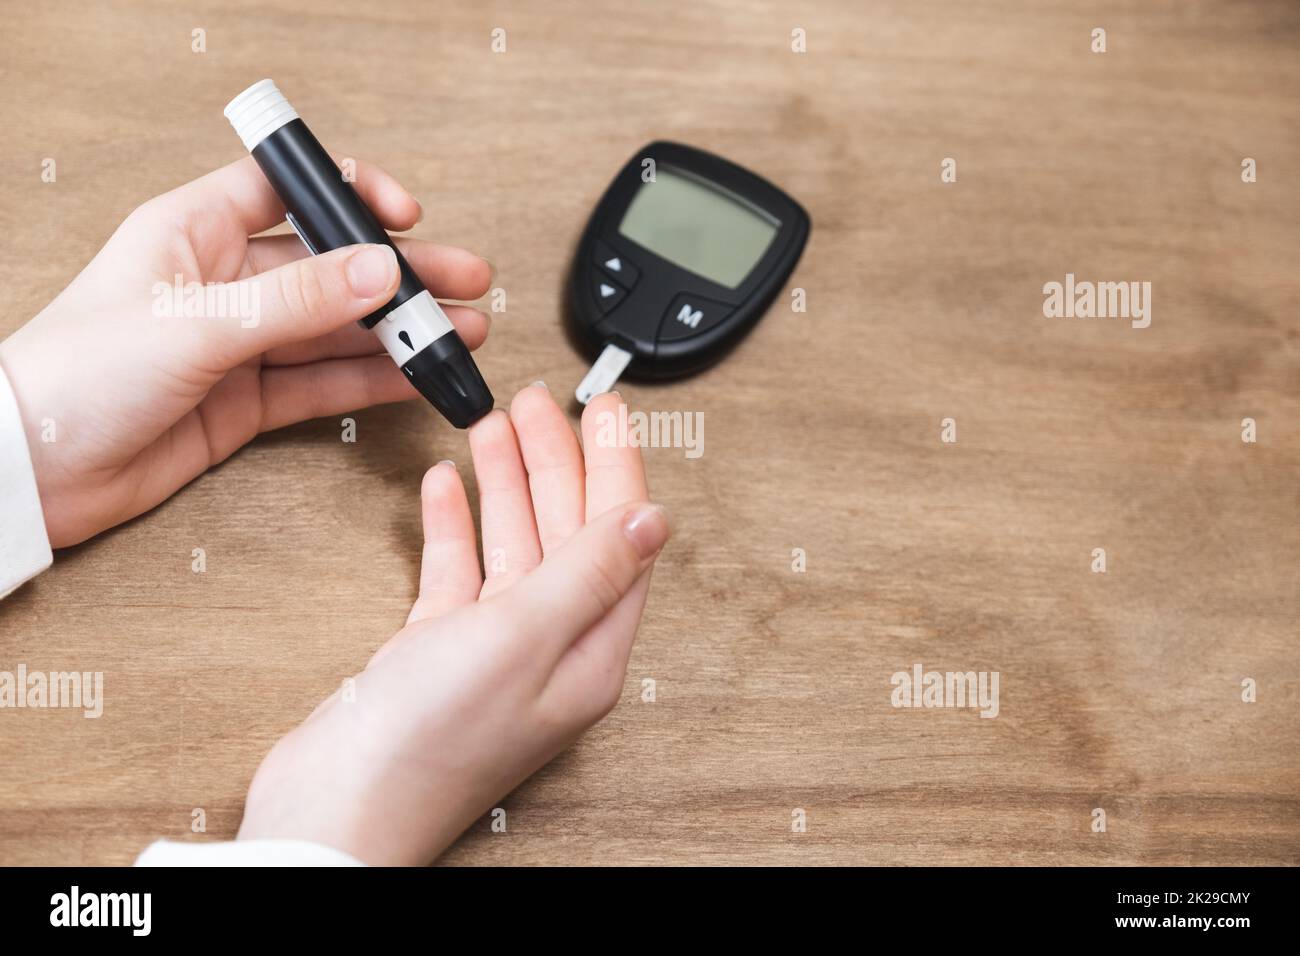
[
  {"x": 143, "y": 403},
  {"x": 489, "y": 679}
]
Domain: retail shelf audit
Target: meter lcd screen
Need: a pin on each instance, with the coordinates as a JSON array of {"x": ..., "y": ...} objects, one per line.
[{"x": 698, "y": 226}]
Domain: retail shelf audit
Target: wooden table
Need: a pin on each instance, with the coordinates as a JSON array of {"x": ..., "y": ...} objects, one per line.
[{"x": 1119, "y": 690}]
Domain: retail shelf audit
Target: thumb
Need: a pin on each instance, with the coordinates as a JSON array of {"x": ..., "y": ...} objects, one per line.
[
  {"x": 303, "y": 299},
  {"x": 578, "y": 585}
]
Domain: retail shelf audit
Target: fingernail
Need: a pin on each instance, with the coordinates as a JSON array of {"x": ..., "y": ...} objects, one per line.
[
  {"x": 647, "y": 529},
  {"x": 447, "y": 461},
  {"x": 420, "y": 218},
  {"x": 492, "y": 272},
  {"x": 538, "y": 384},
  {"x": 371, "y": 270}
]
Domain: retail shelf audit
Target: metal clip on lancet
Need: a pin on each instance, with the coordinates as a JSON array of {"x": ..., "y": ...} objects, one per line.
[{"x": 327, "y": 213}]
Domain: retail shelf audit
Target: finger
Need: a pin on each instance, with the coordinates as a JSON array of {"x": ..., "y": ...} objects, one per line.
[
  {"x": 449, "y": 272},
  {"x": 393, "y": 206},
  {"x": 296, "y": 393},
  {"x": 449, "y": 572},
  {"x": 446, "y": 271},
  {"x": 583, "y": 581},
  {"x": 301, "y": 300},
  {"x": 554, "y": 463},
  {"x": 352, "y": 340},
  {"x": 593, "y": 666},
  {"x": 510, "y": 544},
  {"x": 243, "y": 190},
  {"x": 239, "y": 190},
  {"x": 615, "y": 471},
  {"x": 348, "y": 342}
]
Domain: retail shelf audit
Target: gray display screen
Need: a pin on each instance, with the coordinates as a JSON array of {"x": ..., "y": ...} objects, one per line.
[{"x": 698, "y": 226}]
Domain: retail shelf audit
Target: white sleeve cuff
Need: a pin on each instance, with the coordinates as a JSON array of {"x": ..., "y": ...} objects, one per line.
[
  {"x": 244, "y": 853},
  {"x": 24, "y": 545}
]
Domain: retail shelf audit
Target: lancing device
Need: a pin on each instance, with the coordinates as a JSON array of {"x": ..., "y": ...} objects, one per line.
[{"x": 327, "y": 213}]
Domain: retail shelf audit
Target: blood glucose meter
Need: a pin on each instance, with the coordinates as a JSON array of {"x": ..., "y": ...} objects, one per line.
[{"x": 681, "y": 258}]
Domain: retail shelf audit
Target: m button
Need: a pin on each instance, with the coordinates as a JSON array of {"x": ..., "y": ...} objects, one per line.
[{"x": 690, "y": 315}]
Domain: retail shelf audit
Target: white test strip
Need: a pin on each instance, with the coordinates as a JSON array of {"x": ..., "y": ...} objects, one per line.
[{"x": 613, "y": 360}]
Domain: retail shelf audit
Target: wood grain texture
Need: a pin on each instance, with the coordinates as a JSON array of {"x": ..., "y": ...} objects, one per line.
[{"x": 1119, "y": 691}]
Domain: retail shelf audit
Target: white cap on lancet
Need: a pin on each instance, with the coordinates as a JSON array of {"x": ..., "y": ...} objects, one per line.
[{"x": 258, "y": 112}]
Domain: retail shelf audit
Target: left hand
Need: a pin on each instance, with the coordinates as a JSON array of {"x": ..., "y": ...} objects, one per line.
[
  {"x": 490, "y": 678},
  {"x": 141, "y": 404}
]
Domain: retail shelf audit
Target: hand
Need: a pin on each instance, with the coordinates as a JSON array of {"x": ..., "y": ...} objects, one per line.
[
  {"x": 489, "y": 679},
  {"x": 140, "y": 403}
]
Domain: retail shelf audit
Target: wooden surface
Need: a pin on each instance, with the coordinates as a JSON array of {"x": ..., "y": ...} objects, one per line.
[{"x": 1119, "y": 690}]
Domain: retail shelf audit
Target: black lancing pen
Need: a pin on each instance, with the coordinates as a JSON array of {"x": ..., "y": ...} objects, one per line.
[{"x": 326, "y": 212}]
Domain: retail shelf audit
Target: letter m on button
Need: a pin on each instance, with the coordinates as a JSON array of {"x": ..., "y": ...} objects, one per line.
[{"x": 688, "y": 316}]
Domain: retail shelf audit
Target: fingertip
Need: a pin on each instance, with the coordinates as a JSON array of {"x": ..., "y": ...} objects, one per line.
[
  {"x": 371, "y": 270},
  {"x": 449, "y": 272},
  {"x": 392, "y": 204},
  {"x": 397, "y": 209},
  {"x": 486, "y": 274},
  {"x": 408, "y": 211},
  {"x": 429, "y": 484},
  {"x": 604, "y": 402},
  {"x": 478, "y": 273},
  {"x": 434, "y": 477},
  {"x": 490, "y": 422},
  {"x": 489, "y": 430},
  {"x": 449, "y": 571},
  {"x": 440, "y": 484},
  {"x": 648, "y": 527},
  {"x": 531, "y": 401}
]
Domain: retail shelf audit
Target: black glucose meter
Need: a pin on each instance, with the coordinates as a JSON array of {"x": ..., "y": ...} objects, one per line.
[{"x": 681, "y": 258}]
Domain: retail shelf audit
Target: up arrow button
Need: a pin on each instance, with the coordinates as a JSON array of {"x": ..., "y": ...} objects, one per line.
[{"x": 614, "y": 264}]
